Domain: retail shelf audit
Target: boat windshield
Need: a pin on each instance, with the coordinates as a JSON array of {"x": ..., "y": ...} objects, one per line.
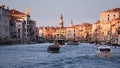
[
  {"x": 61, "y": 41},
  {"x": 105, "y": 49}
]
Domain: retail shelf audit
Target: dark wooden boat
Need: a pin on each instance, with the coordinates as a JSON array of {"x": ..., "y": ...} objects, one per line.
[{"x": 53, "y": 49}]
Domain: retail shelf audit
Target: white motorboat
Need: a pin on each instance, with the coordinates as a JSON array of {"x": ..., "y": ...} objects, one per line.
[{"x": 104, "y": 51}]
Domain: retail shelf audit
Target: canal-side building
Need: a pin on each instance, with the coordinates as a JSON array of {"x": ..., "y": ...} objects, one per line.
[
  {"x": 20, "y": 31},
  {"x": 86, "y": 31},
  {"x": 41, "y": 34},
  {"x": 70, "y": 33},
  {"x": 96, "y": 30},
  {"x": 60, "y": 33},
  {"x": 109, "y": 15},
  {"x": 4, "y": 23},
  {"x": 106, "y": 28},
  {"x": 115, "y": 30},
  {"x": 12, "y": 29},
  {"x": 32, "y": 31},
  {"x": 60, "y": 30},
  {"x": 27, "y": 25},
  {"x": 50, "y": 33},
  {"x": 109, "y": 20},
  {"x": 18, "y": 18}
]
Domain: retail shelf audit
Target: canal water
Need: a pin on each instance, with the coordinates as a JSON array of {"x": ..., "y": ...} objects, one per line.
[{"x": 36, "y": 56}]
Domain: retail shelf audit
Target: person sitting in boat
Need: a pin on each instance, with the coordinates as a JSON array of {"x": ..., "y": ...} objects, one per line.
[{"x": 56, "y": 43}]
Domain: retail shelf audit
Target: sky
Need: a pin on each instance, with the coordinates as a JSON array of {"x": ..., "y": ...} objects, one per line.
[{"x": 48, "y": 12}]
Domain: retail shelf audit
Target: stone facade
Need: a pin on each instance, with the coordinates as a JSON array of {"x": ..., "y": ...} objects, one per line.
[{"x": 4, "y": 23}]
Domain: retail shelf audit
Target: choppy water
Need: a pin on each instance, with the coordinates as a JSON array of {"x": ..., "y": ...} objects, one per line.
[{"x": 36, "y": 56}]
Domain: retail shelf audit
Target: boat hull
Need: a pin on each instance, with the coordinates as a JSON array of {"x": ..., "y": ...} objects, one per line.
[
  {"x": 104, "y": 51},
  {"x": 53, "y": 49},
  {"x": 109, "y": 55}
]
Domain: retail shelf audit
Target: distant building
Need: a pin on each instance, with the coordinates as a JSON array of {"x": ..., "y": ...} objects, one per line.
[
  {"x": 86, "y": 33},
  {"x": 13, "y": 31},
  {"x": 32, "y": 31},
  {"x": 70, "y": 33},
  {"x": 110, "y": 14},
  {"x": 78, "y": 32},
  {"x": 20, "y": 31},
  {"x": 42, "y": 32},
  {"x": 50, "y": 33},
  {"x": 108, "y": 26},
  {"x": 27, "y": 25},
  {"x": 71, "y": 24},
  {"x": 115, "y": 28},
  {"x": 4, "y": 23},
  {"x": 60, "y": 33}
]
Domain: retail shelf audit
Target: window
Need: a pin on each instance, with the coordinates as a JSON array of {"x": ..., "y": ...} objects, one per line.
[
  {"x": 0, "y": 17},
  {"x": 19, "y": 25},
  {"x": 18, "y": 36},
  {"x": 18, "y": 30},
  {"x": 108, "y": 18},
  {"x": 118, "y": 30},
  {"x": 114, "y": 15}
]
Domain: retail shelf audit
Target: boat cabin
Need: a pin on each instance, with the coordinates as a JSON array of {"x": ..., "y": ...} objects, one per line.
[{"x": 59, "y": 42}]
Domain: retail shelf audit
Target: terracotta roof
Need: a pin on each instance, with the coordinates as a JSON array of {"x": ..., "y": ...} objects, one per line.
[
  {"x": 18, "y": 21},
  {"x": 13, "y": 11},
  {"x": 85, "y": 24},
  {"x": 114, "y": 9},
  {"x": 15, "y": 20}
]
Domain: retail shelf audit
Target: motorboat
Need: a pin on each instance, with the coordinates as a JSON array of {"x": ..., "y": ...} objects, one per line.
[
  {"x": 104, "y": 51},
  {"x": 53, "y": 49},
  {"x": 73, "y": 43}
]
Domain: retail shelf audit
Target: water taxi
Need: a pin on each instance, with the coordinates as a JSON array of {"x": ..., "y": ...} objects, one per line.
[
  {"x": 53, "y": 49},
  {"x": 104, "y": 51}
]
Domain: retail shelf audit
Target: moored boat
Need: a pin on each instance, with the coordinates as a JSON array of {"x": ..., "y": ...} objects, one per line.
[{"x": 73, "y": 43}]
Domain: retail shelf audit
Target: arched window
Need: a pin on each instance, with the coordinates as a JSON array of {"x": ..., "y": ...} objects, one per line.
[{"x": 114, "y": 16}]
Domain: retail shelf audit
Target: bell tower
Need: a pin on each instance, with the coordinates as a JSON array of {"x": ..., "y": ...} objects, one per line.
[
  {"x": 61, "y": 22},
  {"x": 27, "y": 11}
]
